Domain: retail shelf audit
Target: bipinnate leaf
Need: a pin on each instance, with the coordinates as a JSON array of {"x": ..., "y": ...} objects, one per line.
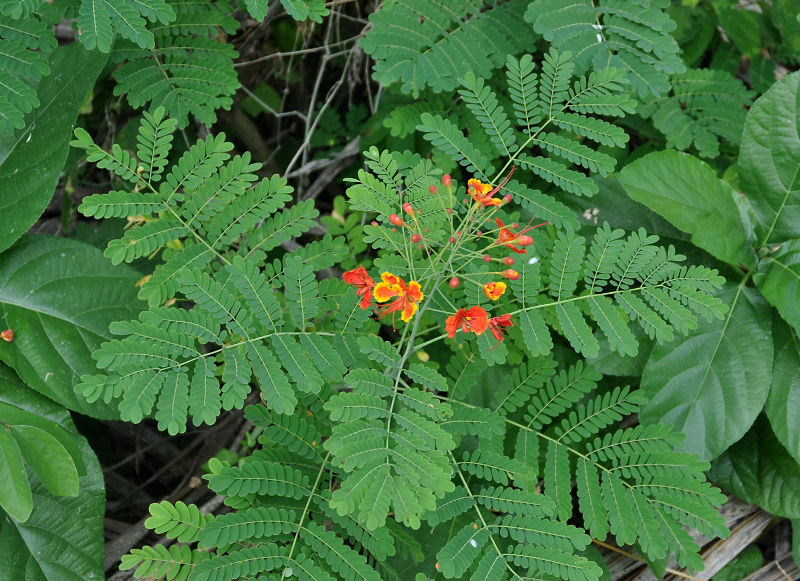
[
  {"x": 712, "y": 385},
  {"x": 32, "y": 159},
  {"x": 687, "y": 192},
  {"x": 758, "y": 469},
  {"x": 59, "y": 296},
  {"x": 770, "y": 161},
  {"x": 46, "y": 546}
]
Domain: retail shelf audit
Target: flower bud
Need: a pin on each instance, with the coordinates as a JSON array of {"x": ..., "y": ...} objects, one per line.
[
  {"x": 525, "y": 240},
  {"x": 415, "y": 238},
  {"x": 374, "y": 224},
  {"x": 507, "y": 198},
  {"x": 449, "y": 210},
  {"x": 396, "y": 220},
  {"x": 447, "y": 180},
  {"x": 408, "y": 209},
  {"x": 432, "y": 189},
  {"x": 427, "y": 230},
  {"x": 420, "y": 246},
  {"x": 454, "y": 282},
  {"x": 452, "y": 240},
  {"x": 487, "y": 258},
  {"x": 511, "y": 274},
  {"x": 515, "y": 225},
  {"x": 8, "y": 334},
  {"x": 508, "y": 261},
  {"x": 479, "y": 232},
  {"x": 394, "y": 229}
]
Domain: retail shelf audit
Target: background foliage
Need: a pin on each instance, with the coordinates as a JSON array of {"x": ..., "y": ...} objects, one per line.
[{"x": 216, "y": 154}]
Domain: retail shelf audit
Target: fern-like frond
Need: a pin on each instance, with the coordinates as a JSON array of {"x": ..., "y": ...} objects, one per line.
[
  {"x": 421, "y": 43},
  {"x": 177, "y": 521},
  {"x": 26, "y": 39},
  {"x": 313, "y": 10},
  {"x": 160, "y": 562},
  {"x": 702, "y": 107},
  {"x": 633, "y": 37},
  {"x": 482, "y": 101},
  {"x": 178, "y": 65}
]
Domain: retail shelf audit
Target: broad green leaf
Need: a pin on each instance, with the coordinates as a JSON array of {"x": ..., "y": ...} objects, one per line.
[
  {"x": 15, "y": 492},
  {"x": 743, "y": 27},
  {"x": 778, "y": 279},
  {"x": 796, "y": 540},
  {"x": 59, "y": 296},
  {"x": 748, "y": 561},
  {"x": 48, "y": 459},
  {"x": 31, "y": 160},
  {"x": 687, "y": 192},
  {"x": 62, "y": 540},
  {"x": 712, "y": 385},
  {"x": 759, "y": 470},
  {"x": 769, "y": 163},
  {"x": 28, "y": 438},
  {"x": 783, "y": 403}
]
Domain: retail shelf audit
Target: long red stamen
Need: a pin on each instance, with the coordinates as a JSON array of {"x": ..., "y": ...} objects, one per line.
[{"x": 504, "y": 182}]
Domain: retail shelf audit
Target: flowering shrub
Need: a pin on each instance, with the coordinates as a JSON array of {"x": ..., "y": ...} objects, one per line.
[{"x": 368, "y": 428}]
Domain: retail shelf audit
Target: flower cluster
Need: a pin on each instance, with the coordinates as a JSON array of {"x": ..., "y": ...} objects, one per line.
[
  {"x": 398, "y": 296},
  {"x": 406, "y": 296}
]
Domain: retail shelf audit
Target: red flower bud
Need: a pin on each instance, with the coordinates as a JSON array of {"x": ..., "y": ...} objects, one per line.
[
  {"x": 420, "y": 246},
  {"x": 508, "y": 261},
  {"x": 525, "y": 240},
  {"x": 394, "y": 229},
  {"x": 374, "y": 223},
  {"x": 447, "y": 180},
  {"x": 396, "y": 220},
  {"x": 449, "y": 210},
  {"x": 452, "y": 240},
  {"x": 479, "y": 232},
  {"x": 507, "y": 198},
  {"x": 432, "y": 189},
  {"x": 415, "y": 238},
  {"x": 511, "y": 274},
  {"x": 427, "y": 230},
  {"x": 515, "y": 225},
  {"x": 454, "y": 282},
  {"x": 408, "y": 209},
  {"x": 487, "y": 258}
]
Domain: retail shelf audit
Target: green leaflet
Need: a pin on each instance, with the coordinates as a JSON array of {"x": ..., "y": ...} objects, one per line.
[
  {"x": 688, "y": 193},
  {"x": 723, "y": 366}
]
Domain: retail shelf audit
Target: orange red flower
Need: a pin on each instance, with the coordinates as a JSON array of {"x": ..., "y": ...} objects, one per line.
[
  {"x": 514, "y": 240},
  {"x": 494, "y": 290},
  {"x": 496, "y": 325},
  {"x": 472, "y": 320},
  {"x": 406, "y": 297},
  {"x": 482, "y": 193},
  {"x": 362, "y": 281}
]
